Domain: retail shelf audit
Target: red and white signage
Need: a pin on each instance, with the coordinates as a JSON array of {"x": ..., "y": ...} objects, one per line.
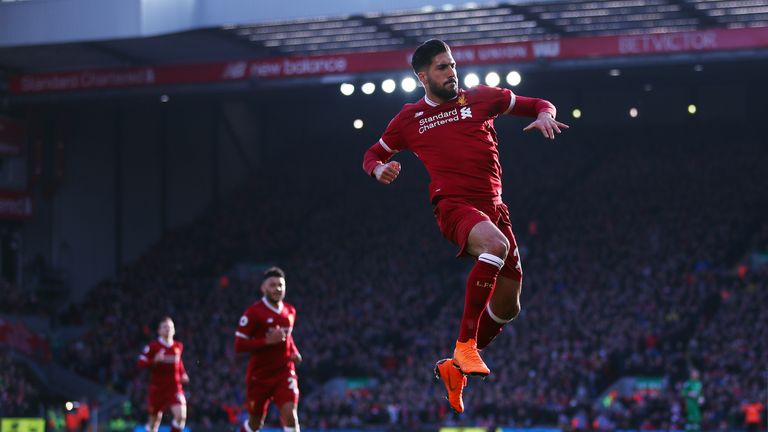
[
  {"x": 333, "y": 64},
  {"x": 15, "y": 205},
  {"x": 12, "y": 137}
]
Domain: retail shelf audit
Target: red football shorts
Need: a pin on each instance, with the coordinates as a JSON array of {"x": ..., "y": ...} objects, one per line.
[
  {"x": 283, "y": 388},
  {"x": 160, "y": 400},
  {"x": 457, "y": 216}
]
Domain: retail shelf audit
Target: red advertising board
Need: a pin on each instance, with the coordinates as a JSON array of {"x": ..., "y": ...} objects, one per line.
[{"x": 350, "y": 63}]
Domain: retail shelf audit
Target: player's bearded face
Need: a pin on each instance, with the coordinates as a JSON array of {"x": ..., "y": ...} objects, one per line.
[
  {"x": 274, "y": 289},
  {"x": 445, "y": 90},
  {"x": 441, "y": 78}
]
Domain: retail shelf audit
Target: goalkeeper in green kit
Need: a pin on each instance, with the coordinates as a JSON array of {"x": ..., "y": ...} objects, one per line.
[{"x": 691, "y": 392}]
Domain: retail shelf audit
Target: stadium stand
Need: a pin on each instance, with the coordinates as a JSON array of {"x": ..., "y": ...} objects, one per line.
[{"x": 629, "y": 253}]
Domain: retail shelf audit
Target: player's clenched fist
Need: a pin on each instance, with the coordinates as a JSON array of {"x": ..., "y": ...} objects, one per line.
[{"x": 387, "y": 173}]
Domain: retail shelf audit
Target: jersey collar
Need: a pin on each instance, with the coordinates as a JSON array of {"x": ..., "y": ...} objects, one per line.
[
  {"x": 277, "y": 309},
  {"x": 163, "y": 343}
]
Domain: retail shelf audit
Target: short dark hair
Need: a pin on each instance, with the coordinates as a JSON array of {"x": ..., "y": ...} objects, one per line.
[
  {"x": 164, "y": 319},
  {"x": 272, "y": 272},
  {"x": 426, "y": 52}
]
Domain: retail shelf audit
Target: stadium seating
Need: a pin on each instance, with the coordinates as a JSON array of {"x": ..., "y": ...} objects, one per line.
[{"x": 630, "y": 241}]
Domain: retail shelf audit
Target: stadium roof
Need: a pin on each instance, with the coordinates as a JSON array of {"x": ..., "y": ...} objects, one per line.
[{"x": 465, "y": 25}]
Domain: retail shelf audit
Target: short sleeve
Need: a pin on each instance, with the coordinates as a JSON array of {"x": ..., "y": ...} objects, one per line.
[
  {"x": 245, "y": 326},
  {"x": 147, "y": 354}
]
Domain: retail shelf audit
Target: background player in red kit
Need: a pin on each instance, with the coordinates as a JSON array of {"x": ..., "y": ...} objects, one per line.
[
  {"x": 167, "y": 373},
  {"x": 265, "y": 331},
  {"x": 451, "y": 131}
]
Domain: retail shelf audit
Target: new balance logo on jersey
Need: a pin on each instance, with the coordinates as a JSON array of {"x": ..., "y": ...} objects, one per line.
[
  {"x": 418, "y": 114},
  {"x": 466, "y": 112}
]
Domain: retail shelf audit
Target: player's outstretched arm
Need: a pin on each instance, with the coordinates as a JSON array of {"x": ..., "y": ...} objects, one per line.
[
  {"x": 547, "y": 125},
  {"x": 543, "y": 110}
]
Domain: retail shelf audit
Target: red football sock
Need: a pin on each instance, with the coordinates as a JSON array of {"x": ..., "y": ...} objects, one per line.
[
  {"x": 480, "y": 285},
  {"x": 489, "y": 327}
]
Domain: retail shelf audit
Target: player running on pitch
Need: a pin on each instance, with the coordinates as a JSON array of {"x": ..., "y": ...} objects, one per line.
[
  {"x": 451, "y": 130},
  {"x": 167, "y": 374},
  {"x": 265, "y": 332}
]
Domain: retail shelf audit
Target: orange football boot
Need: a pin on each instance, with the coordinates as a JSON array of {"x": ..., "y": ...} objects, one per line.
[
  {"x": 466, "y": 357},
  {"x": 454, "y": 382}
]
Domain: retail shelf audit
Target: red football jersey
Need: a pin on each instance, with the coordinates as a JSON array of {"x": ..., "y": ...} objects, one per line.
[
  {"x": 455, "y": 140},
  {"x": 165, "y": 375},
  {"x": 267, "y": 360}
]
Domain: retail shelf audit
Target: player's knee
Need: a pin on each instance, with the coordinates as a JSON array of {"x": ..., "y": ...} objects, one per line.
[
  {"x": 498, "y": 246},
  {"x": 504, "y": 313},
  {"x": 290, "y": 422},
  {"x": 290, "y": 418}
]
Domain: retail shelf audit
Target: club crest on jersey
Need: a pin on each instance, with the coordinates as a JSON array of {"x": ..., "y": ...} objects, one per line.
[
  {"x": 269, "y": 320},
  {"x": 462, "y": 100}
]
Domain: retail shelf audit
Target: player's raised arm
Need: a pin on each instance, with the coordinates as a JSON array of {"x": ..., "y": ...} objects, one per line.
[
  {"x": 375, "y": 160},
  {"x": 376, "y": 165},
  {"x": 544, "y": 111}
]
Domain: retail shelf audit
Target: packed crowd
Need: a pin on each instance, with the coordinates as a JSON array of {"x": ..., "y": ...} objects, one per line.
[
  {"x": 629, "y": 256},
  {"x": 20, "y": 391}
]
